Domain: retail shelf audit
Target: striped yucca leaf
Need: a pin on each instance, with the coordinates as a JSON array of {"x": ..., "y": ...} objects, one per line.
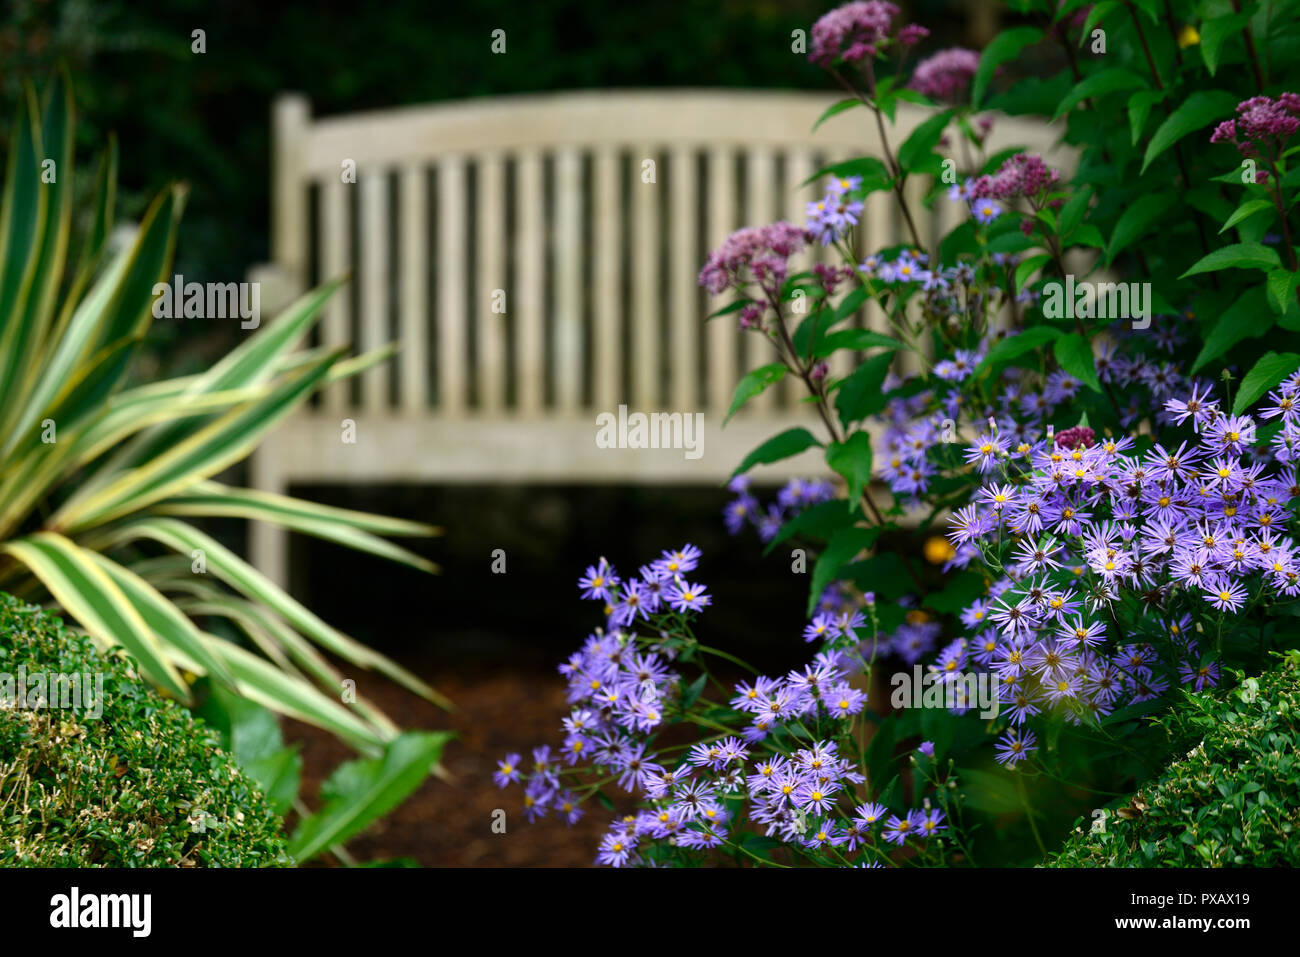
[{"x": 99, "y": 473}]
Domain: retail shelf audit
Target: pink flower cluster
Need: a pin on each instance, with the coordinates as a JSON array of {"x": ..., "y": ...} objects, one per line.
[
  {"x": 858, "y": 31},
  {"x": 758, "y": 254},
  {"x": 1079, "y": 435},
  {"x": 1021, "y": 175},
  {"x": 1259, "y": 120},
  {"x": 946, "y": 75}
]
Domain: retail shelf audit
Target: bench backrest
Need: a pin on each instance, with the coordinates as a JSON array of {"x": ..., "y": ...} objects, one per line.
[{"x": 537, "y": 255}]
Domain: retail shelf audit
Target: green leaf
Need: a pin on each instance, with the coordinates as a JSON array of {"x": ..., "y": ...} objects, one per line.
[
  {"x": 1215, "y": 32},
  {"x": 852, "y": 459},
  {"x": 360, "y": 792},
  {"x": 873, "y": 172},
  {"x": 1015, "y": 346},
  {"x": 1028, "y": 267},
  {"x": 857, "y": 339},
  {"x": 1199, "y": 110},
  {"x": 963, "y": 589},
  {"x": 1136, "y": 219},
  {"x": 248, "y": 581},
  {"x": 861, "y": 394},
  {"x": 1112, "y": 80},
  {"x": 1005, "y": 46},
  {"x": 1139, "y": 108},
  {"x": 1247, "y": 318},
  {"x": 1074, "y": 353},
  {"x": 1095, "y": 16},
  {"x": 1072, "y": 212},
  {"x": 984, "y": 791},
  {"x": 1271, "y": 369},
  {"x": 1281, "y": 289},
  {"x": 821, "y": 522},
  {"x": 1236, "y": 256},
  {"x": 783, "y": 446},
  {"x": 1247, "y": 209},
  {"x": 919, "y": 145},
  {"x": 204, "y": 453},
  {"x": 839, "y": 551},
  {"x": 752, "y": 384},
  {"x": 835, "y": 109}
]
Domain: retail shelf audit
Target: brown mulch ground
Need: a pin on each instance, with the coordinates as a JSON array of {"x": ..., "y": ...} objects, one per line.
[{"x": 450, "y": 824}]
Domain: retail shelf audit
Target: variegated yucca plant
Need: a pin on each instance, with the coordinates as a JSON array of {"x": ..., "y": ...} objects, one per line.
[{"x": 92, "y": 465}]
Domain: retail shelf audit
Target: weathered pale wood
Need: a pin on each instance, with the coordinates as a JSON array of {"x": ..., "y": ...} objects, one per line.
[
  {"x": 373, "y": 280},
  {"x": 528, "y": 304},
  {"x": 453, "y": 308},
  {"x": 567, "y": 320},
  {"x": 607, "y": 314},
  {"x": 291, "y": 133},
  {"x": 760, "y": 205},
  {"x": 798, "y": 167},
  {"x": 722, "y": 336},
  {"x": 413, "y": 320},
  {"x": 703, "y": 118},
  {"x": 647, "y": 320},
  {"x": 336, "y": 316},
  {"x": 491, "y": 326},
  {"x": 684, "y": 265}
]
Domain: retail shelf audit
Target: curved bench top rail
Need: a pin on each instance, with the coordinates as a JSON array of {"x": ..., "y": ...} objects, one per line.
[{"x": 613, "y": 118}]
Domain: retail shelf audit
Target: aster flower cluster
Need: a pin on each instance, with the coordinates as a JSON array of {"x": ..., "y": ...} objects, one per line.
[
  {"x": 860, "y": 31},
  {"x": 1263, "y": 125},
  {"x": 783, "y": 761},
  {"x": 831, "y": 217},
  {"x": 1120, "y": 566},
  {"x": 795, "y": 496},
  {"x": 946, "y": 75}
]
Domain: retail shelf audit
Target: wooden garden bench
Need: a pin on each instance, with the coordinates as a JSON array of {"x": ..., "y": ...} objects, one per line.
[{"x": 536, "y": 257}]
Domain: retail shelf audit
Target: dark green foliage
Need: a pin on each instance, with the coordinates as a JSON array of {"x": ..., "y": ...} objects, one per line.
[
  {"x": 1232, "y": 801},
  {"x": 143, "y": 785}
]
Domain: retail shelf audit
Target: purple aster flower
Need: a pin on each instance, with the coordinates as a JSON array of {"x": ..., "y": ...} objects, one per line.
[
  {"x": 684, "y": 596},
  {"x": 1015, "y": 746},
  {"x": 507, "y": 770},
  {"x": 599, "y": 581}
]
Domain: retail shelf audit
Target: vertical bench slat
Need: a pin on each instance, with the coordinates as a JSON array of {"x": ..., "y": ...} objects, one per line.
[
  {"x": 291, "y": 121},
  {"x": 760, "y": 196},
  {"x": 722, "y": 334},
  {"x": 373, "y": 281},
  {"x": 336, "y": 315},
  {"x": 414, "y": 322},
  {"x": 607, "y": 318},
  {"x": 646, "y": 316},
  {"x": 491, "y": 326},
  {"x": 453, "y": 310},
  {"x": 567, "y": 328},
  {"x": 684, "y": 310},
  {"x": 794, "y": 199},
  {"x": 529, "y": 305}
]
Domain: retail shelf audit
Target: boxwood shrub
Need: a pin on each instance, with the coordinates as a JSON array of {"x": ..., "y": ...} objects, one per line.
[
  {"x": 144, "y": 784},
  {"x": 1232, "y": 801}
]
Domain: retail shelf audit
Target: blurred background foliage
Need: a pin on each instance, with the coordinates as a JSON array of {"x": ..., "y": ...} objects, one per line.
[{"x": 204, "y": 118}]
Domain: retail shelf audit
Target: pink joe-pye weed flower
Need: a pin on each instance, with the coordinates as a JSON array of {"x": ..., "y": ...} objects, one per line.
[
  {"x": 946, "y": 75},
  {"x": 859, "y": 31}
]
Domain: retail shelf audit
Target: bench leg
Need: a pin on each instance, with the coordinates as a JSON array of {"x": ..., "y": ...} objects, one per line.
[{"x": 268, "y": 545}]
